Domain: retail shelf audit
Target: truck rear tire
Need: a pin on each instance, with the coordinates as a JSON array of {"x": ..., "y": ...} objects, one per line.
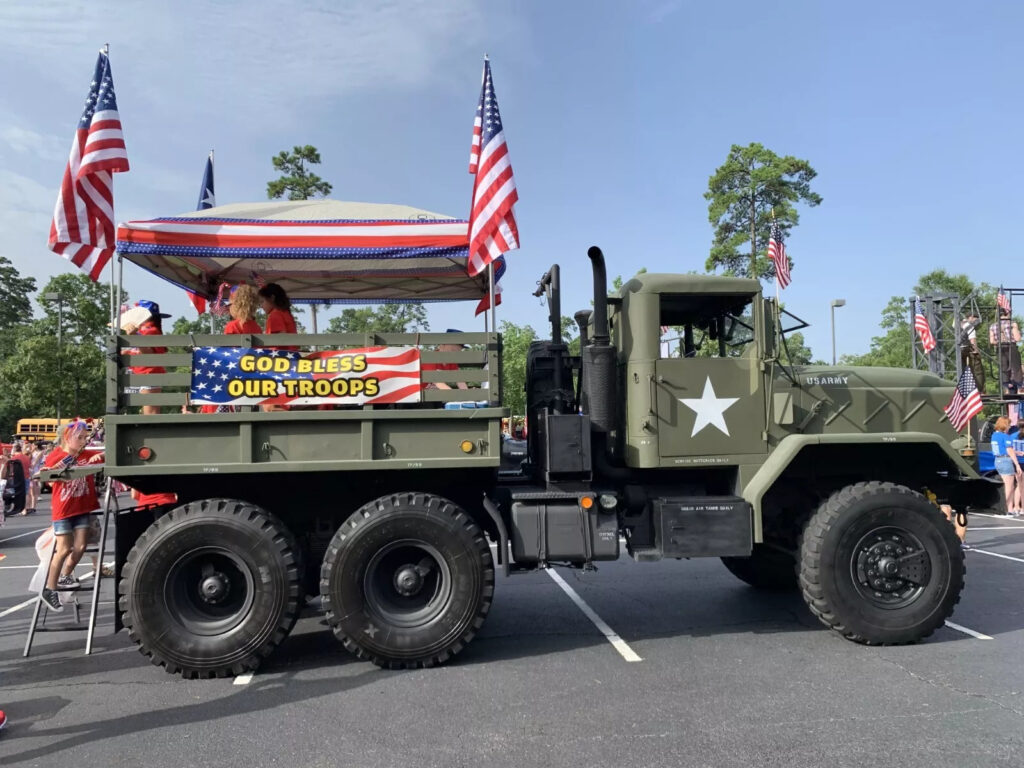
[
  {"x": 880, "y": 564},
  {"x": 766, "y": 568},
  {"x": 211, "y": 588},
  {"x": 407, "y": 581}
]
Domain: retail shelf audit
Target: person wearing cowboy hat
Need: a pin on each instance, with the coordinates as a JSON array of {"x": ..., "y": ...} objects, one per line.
[{"x": 145, "y": 319}]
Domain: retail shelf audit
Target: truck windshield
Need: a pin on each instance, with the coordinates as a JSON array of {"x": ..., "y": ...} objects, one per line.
[{"x": 703, "y": 325}]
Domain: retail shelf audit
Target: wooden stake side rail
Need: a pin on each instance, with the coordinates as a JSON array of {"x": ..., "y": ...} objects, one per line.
[{"x": 478, "y": 365}]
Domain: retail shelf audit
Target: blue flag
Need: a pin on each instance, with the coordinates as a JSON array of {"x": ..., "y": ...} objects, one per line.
[{"x": 206, "y": 197}]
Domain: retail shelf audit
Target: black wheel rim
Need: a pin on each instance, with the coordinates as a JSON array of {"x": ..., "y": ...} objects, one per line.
[
  {"x": 890, "y": 567},
  {"x": 407, "y": 584},
  {"x": 209, "y": 591}
]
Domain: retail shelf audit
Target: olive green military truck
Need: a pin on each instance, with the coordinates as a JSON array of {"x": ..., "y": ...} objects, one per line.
[{"x": 825, "y": 479}]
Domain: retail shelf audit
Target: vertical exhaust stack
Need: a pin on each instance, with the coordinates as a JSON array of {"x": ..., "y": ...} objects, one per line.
[
  {"x": 599, "y": 359},
  {"x": 583, "y": 321}
]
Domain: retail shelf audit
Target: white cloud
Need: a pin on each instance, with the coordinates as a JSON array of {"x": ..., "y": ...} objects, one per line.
[
  {"x": 27, "y": 141},
  {"x": 230, "y": 53}
]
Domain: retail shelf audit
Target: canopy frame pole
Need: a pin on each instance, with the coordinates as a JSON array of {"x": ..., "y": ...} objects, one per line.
[{"x": 490, "y": 287}]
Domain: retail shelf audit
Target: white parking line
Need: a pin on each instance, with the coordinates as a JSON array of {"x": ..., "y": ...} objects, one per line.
[
  {"x": 14, "y": 567},
  {"x": 967, "y": 631},
  {"x": 995, "y": 554},
  {"x": 617, "y": 642},
  {"x": 18, "y": 607},
  {"x": 996, "y": 527},
  {"x": 21, "y": 535},
  {"x": 244, "y": 679}
]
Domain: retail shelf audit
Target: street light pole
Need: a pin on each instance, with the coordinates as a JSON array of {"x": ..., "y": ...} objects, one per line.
[
  {"x": 835, "y": 303},
  {"x": 60, "y": 346}
]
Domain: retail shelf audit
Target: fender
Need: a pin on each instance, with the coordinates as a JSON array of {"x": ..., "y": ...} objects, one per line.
[{"x": 788, "y": 448}]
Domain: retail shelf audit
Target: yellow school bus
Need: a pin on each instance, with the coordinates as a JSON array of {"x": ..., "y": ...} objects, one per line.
[{"x": 40, "y": 430}]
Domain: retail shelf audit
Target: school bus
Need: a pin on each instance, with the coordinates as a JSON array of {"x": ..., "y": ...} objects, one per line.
[{"x": 41, "y": 430}]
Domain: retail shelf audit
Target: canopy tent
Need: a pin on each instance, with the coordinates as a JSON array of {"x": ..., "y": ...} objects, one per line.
[{"x": 322, "y": 251}]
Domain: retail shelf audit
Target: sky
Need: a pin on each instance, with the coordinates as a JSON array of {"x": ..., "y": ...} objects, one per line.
[{"x": 615, "y": 113}]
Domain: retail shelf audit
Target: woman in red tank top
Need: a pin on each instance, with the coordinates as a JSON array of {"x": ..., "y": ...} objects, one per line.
[{"x": 276, "y": 304}]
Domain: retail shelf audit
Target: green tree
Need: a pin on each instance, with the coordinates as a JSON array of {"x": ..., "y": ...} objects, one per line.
[
  {"x": 388, "y": 318},
  {"x": 297, "y": 181},
  {"x": 15, "y": 293},
  {"x": 742, "y": 193},
  {"x": 32, "y": 383},
  {"x": 516, "y": 340},
  {"x": 85, "y": 306},
  {"x": 184, "y": 326}
]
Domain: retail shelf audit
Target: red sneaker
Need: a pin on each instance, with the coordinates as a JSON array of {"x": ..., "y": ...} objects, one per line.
[{"x": 3, "y": 719}]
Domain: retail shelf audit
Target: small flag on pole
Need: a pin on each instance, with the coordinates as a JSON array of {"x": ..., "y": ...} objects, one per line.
[
  {"x": 82, "y": 230},
  {"x": 777, "y": 253},
  {"x": 966, "y": 402},
  {"x": 492, "y": 222},
  {"x": 923, "y": 329},
  {"x": 206, "y": 200},
  {"x": 1003, "y": 300}
]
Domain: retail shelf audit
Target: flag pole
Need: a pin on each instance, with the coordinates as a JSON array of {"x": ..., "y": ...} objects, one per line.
[
  {"x": 211, "y": 313},
  {"x": 490, "y": 288}
]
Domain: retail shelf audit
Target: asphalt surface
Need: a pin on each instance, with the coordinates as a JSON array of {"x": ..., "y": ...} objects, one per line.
[{"x": 727, "y": 676}]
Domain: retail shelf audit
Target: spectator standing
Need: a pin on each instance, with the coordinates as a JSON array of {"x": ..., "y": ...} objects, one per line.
[
  {"x": 970, "y": 354},
  {"x": 1007, "y": 465},
  {"x": 16, "y": 473},
  {"x": 35, "y": 464},
  {"x": 1006, "y": 335},
  {"x": 73, "y": 501}
]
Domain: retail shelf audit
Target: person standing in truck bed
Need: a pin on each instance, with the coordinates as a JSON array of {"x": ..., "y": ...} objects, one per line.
[
  {"x": 150, "y": 327},
  {"x": 278, "y": 306}
]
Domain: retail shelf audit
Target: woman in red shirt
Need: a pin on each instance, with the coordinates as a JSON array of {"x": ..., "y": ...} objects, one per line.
[
  {"x": 242, "y": 306},
  {"x": 278, "y": 307},
  {"x": 72, "y": 502}
]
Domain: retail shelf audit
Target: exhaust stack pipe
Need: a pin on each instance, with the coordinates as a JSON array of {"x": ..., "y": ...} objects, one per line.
[
  {"x": 583, "y": 321},
  {"x": 601, "y": 336}
]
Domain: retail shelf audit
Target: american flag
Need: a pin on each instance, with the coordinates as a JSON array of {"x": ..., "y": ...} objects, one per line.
[
  {"x": 82, "y": 230},
  {"x": 1003, "y": 300},
  {"x": 492, "y": 222},
  {"x": 923, "y": 329},
  {"x": 966, "y": 401},
  {"x": 485, "y": 303},
  {"x": 777, "y": 253},
  {"x": 206, "y": 200}
]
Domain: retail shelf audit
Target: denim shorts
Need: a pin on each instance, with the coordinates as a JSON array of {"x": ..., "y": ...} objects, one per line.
[
  {"x": 69, "y": 524},
  {"x": 1004, "y": 465}
]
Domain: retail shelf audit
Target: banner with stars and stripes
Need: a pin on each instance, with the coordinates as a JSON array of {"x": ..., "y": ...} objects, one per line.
[{"x": 243, "y": 376}]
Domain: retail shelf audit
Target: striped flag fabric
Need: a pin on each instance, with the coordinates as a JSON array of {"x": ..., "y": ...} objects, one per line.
[
  {"x": 82, "y": 230},
  {"x": 485, "y": 303},
  {"x": 492, "y": 222},
  {"x": 1003, "y": 300},
  {"x": 923, "y": 329},
  {"x": 966, "y": 402},
  {"x": 777, "y": 253},
  {"x": 207, "y": 199}
]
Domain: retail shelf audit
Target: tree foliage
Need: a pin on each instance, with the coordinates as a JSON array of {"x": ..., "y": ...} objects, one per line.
[
  {"x": 387, "y": 318},
  {"x": 742, "y": 193},
  {"x": 892, "y": 347},
  {"x": 297, "y": 181},
  {"x": 15, "y": 297}
]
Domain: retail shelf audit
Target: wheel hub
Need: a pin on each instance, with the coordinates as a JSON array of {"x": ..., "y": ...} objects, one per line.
[
  {"x": 408, "y": 581},
  {"x": 215, "y": 588},
  {"x": 890, "y": 567}
]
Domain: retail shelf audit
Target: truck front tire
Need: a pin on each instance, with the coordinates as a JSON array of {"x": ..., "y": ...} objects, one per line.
[
  {"x": 880, "y": 564},
  {"x": 211, "y": 588},
  {"x": 407, "y": 581}
]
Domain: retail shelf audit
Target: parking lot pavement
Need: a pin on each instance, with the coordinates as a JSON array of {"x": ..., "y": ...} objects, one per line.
[{"x": 729, "y": 676}]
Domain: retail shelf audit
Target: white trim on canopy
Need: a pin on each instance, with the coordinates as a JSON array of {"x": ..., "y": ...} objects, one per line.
[{"x": 322, "y": 251}]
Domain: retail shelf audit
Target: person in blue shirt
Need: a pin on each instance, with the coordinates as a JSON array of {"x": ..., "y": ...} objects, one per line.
[{"x": 1007, "y": 465}]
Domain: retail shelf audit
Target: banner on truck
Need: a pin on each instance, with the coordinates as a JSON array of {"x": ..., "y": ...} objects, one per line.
[{"x": 227, "y": 376}]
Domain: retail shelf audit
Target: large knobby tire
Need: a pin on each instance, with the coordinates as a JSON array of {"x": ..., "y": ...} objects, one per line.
[
  {"x": 766, "y": 568},
  {"x": 211, "y": 588},
  {"x": 407, "y": 581},
  {"x": 880, "y": 564}
]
